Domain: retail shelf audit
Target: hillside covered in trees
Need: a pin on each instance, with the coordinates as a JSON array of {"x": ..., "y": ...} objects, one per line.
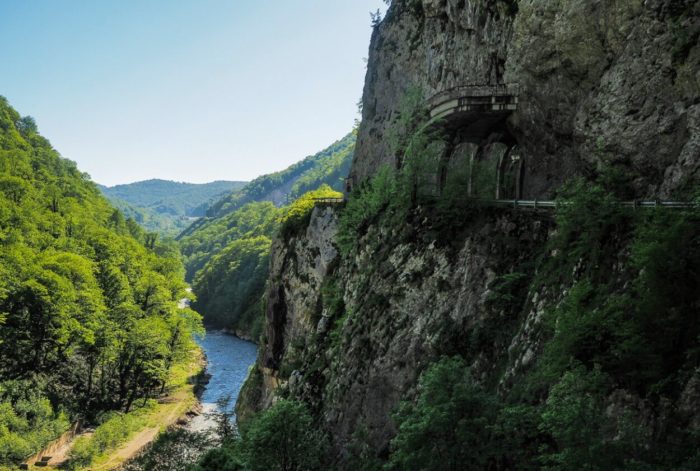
[
  {"x": 227, "y": 253},
  {"x": 164, "y": 206},
  {"x": 89, "y": 317},
  {"x": 329, "y": 166}
]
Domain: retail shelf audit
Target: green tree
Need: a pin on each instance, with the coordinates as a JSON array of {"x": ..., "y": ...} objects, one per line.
[
  {"x": 586, "y": 437},
  {"x": 283, "y": 438},
  {"x": 447, "y": 428},
  {"x": 88, "y": 314}
]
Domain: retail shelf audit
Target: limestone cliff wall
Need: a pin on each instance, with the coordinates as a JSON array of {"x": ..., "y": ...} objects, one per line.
[
  {"x": 298, "y": 268},
  {"x": 407, "y": 298},
  {"x": 600, "y": 82},
  {"x": 350, "y": 335},
  {"x": 612, "y": 82}
]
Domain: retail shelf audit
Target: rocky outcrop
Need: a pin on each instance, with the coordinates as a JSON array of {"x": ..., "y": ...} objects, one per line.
[
  {"x": 298, "y": 268},
  {"x": 407, "y": 299},
  {"x": 600, "y": 83},
  {"x": 350, "y": 335}
]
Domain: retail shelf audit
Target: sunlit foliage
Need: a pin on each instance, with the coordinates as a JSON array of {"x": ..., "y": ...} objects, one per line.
[{"x": 89, "y": 320}]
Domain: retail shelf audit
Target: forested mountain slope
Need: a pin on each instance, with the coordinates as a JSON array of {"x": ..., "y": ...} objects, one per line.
[
  {"x": 89, "y": 321},
  {"x": 329, "y": 166},
  {"x": 167, "y": 207},
  {"x": 227, "y": 253}
]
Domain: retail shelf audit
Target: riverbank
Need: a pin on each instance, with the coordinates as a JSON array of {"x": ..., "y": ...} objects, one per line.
[
  {"x": 239, "y": 334},
  {"x": 144, "y": 425},
  {"x": 228, "y": 361}
]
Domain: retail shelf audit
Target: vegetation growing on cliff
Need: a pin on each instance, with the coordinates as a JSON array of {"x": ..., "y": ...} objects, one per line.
[
  {"x": 626, "y": 328},
  {"x": 89, "y": 319},
  {"x": 280, "y": 438},
  {"x": 618, "y": 346},
  {"x": 227, "y": 255}
]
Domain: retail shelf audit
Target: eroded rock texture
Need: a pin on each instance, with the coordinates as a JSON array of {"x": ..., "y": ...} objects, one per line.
[
  {"x": 407, "y": 298},
  {"x": 601, "y": 82}
]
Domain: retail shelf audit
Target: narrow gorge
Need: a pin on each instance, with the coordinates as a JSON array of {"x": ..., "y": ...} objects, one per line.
[{"x": 497, "y": 267}]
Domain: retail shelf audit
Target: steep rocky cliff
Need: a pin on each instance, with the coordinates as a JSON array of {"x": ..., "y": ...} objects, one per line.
[
  {"x": 350, "y": 334},
  {"x": 525, "y": 297},
  {"x": 600, "y": 82},
  {"x": 407, "y": 298}
]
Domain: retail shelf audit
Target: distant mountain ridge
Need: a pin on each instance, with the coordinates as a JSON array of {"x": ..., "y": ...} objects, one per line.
[
  {"x": 174, "y": 197},
  {"x": 328, "y": 166},
  {"x": 165, "y": 206}
]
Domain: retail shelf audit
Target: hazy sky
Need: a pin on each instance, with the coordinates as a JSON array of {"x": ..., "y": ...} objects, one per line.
[{"x": 188, "y": 90}]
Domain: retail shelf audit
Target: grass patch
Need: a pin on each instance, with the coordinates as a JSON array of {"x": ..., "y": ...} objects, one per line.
[{"x": 101, "y": 450}]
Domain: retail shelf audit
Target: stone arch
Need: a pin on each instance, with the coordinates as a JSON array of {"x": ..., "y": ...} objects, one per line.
[
  {"x": 510, "y": 174},
  {"x": 456, "y": 166},
  {"x": 484, "y": 169}
]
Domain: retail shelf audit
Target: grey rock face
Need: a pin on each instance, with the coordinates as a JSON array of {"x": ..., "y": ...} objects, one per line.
[
  {"x": 406, "y": 303},
  {"x": 600, "y": 83},
  {"x": 297, "y": 270}
]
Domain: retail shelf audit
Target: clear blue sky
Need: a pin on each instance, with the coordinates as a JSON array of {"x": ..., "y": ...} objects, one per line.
[{"x": 188, "y": 90}]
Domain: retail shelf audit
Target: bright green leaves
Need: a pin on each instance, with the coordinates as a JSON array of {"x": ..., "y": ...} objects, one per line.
[
  {"x": 14, "y": 188},
  {"x": 88, "y": 313},
  {"x": 230, "y": 286},
  {"x": 27, "y": 421},
  {"x": 296, "y": 216},
  {"x": 251, "y": 220}
]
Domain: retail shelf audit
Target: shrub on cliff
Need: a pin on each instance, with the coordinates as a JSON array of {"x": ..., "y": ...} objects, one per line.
[
  {"x": 296, "y": 215},
  {"x": 281, "y": 438},
  {"x": 447, "y": 428}
]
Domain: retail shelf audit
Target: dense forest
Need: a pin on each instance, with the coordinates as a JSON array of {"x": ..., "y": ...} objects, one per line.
[
  {"x": 164, "y": 206},
  {"x": 227, "y": 253},
  {"x": 89, "y": 317}
]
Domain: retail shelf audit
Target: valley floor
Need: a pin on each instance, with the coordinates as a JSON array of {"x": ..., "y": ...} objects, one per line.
[{"x": 169, "y": 410}]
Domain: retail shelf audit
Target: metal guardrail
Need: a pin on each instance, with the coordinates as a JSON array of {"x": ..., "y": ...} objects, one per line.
[
  {"x": 329, "y": 200},
  {"x": 536, "y": 204},
  {"x": 551, "y": 204},
  {"x": 475, "y": 91}
]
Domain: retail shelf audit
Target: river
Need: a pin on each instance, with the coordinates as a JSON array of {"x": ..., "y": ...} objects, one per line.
[{"x": 228, "y": 361}]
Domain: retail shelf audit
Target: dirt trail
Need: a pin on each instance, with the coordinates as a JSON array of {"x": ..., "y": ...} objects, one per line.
[
  {"x": 142, "y": 439},
  {"x": 60, "y": 456}
]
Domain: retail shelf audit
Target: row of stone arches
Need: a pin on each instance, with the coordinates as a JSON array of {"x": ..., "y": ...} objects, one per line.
[
  {"x": 479, "y": 156},
  {"x": 491, "y": 170}
]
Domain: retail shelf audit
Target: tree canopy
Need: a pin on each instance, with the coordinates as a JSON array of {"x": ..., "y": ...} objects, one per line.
[{"x": 89, "y": 317}]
